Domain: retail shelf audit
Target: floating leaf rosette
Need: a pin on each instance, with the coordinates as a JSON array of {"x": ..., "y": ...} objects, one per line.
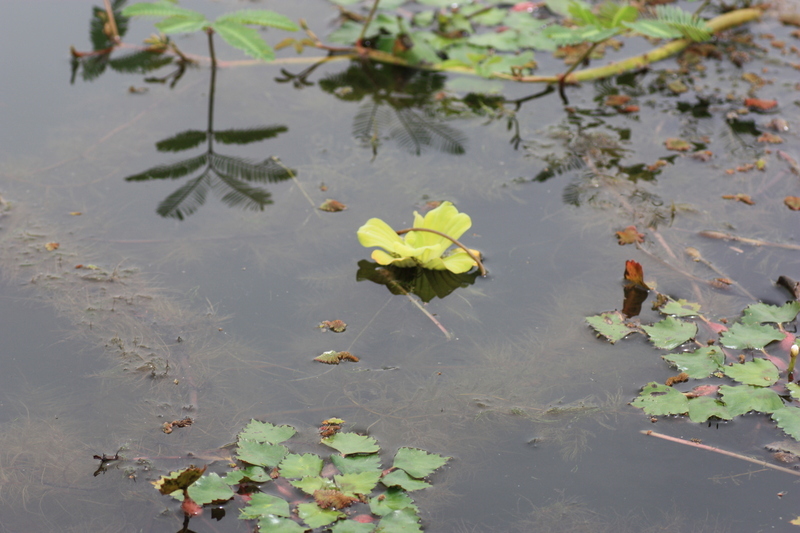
[{"x": 425, "y": 244}]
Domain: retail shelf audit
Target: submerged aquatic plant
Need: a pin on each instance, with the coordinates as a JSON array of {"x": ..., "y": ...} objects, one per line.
[{"x": 425, "y": 244}]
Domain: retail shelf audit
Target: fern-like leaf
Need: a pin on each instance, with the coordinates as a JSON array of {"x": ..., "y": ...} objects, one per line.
[
  {"x": 260, "y": 17},
  {"x": 688, "y": 24},
  {"x": 173, "y": 171},
  {"x": 185, "y": 200}
]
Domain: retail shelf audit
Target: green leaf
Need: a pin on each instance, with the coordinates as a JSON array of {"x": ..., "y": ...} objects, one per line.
[
  {"x": 698, "y": 364},
  {"x": 758, "y": 372},
  {"x": 245, "y": 39},
  {"x": 181, "y": 24},
  {"x": 687, "y": 23},
  {"x": 394, "y": 499},
  {"x": 654, "y": 28},
  {"x": 610, "y": 325},
  {"x": 760, "y": 313},
  {"x": 354, "y": 464},
  {"x": 246, "y": 136},
  {"x": 361, "y": 483},
  {"x": 253, "y": 473},
  {"x": 505, "y": 41},
  {"x": 261, "y": 17},
  {"x": 316, "y": 517},
  {"x": 705, "y": 407},
  {"x": 351, "y": 526},
  {"x": 259, "y": 453},
  {"x": 788, "y": 419},
  {"x": 261, "y": 504},
  {"x": 741, "y": 336},
  {"x": 210, "y": 488},
  {"x": 418, "y": 463},
  {"x": 400, "y": 479},
  {"x": 266, "y": 432},
  {"x": 311, "y": 484},
  {"x": 681, "y": 308},
  {"x": 350, "y": 443},
  {"x": 400, "y": 521},
  {"x": 172, "y": 171},
  {"x": 670, "y": 332},
  {"x": 275, "y": 524},
  {"x": 296, "y": 466},
  {"x": 181, "y": 141},
  {"x": 657, "y": 399},
  {"x": 158, "y": 9},
  {"x": 742, "y": 399},
  {"x": 794, "y": 390}
]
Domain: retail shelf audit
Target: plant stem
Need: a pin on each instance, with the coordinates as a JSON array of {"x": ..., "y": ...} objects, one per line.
[
  {"x": 745, "y": 240},
  {"x": 294, "y": 179},
  {"x": 111, "y": 21},
  {"x": 448, "y": 237},
  {"x": 368, "y": 21},
  {"x": 563, "y": 77},
  {"x": 210, "y": 33}
]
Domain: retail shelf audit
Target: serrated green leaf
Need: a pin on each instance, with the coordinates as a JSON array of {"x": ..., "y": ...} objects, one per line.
[
  {"x": 681, "y": 308},
  {"x": 657, "y": 399},
  {"x": 705, "y": 407},
  {"x": 311, "y": 484},
  {"x": 758, "y": 372},
  {"x": 794, "y": 390},
  {"x": 158, "y": 9},
  {"x": 361, "y": 483},
  {"x": 260, "y": 453},
  {"x": 505, "y": 41},
  {"x": 266, "y": 432},
  {"x": 400, "y": 521},
  {"x": 354, "y": 464},
  {"x": 260, "y": 17},
  {"x": 741, "y": 336},
  {"x": 181, "y": 141},
  {"x": 698, "y": 364},
  {"x": 181, "y": 24},
  {"x": 245, "y": 39},
  {"x": 296, "y": 466},
  {"x": 350, "y": 443},
  {"x": 418, "y": 463},
  {"x": 210, "y": 488},
  {"x": 261, "y": 504},
  {"x": 670, "y": 332},
  {"x": 654, "y": 28},
  {"x": 276, "y": 524},
  {"x": 610, "y": 325},
  {"x": 253, "y": 473},
  {"x": 399, "y": 478},
  {"x": 760, "y": 313},
  {"x": 394, "y": 499},
  {"x": 788, "y": 419},
  {"x": 316, "y": 517},
  {"x": 742, "y": 399},
  {"x": 351, "y": 526}
]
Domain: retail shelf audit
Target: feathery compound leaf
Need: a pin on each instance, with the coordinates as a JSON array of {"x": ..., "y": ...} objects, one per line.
[
  {"x": 181, "y": 141},
  {"x": 158, "y": 9},
  {"x": 261, "y": 17},
  {"x": 245, "y": 39},
  {"x": 181, "y": 24},
  {"x": 689, "y": 25},
  {"x": 173, "y": 171}
]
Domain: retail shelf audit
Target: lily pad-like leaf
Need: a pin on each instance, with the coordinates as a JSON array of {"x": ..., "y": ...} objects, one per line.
[
  {"x": 788, "y": 419},
  {"x": 418, "y": 463},
  {"x": 741, "y": 336},
  {"x": 297, "y": 466},
  {"x": 393, "y": 499},
  {"x": 253, "y": 473},
  {"x": 399, "y": 478},
  {"x": 311, "y": 484},
  {"x": 657, "y": 399},
  {"x": 266, "y": 432},
  {"x": 261, "y": 504},
  {"x": 705, "y": 407},
  {"x": 179, "y": 480},
  {"x": 680, "y": 308},
  {"x": 610, "y": 325},
  {"x": 742, "y": 399},
  {"x": 670, "y": 332},
  {"x": 700, "y": 363},
  {"x": 400, "y": 521},
  {"x": 277, "y": 524},
  {"x": 354, "y": 464},
  {"x": 361, "y": 483},
  {"x": 210, "y": 488},
  {"x": 316, "y": 517},
  {"x": 794, "y": 390},
  {"x": 758, "y": 372},
  {"x": 760, "y": 313},
  {"x": 350, "y": 443},
  {"x": 260, "y": 453},
  {"x": 351, "y": 526}
]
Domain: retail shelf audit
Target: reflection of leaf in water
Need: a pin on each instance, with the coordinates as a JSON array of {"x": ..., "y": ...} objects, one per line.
[
  {"x": 173, "y": 171},
  {"x": 94, "y": 66},
  {"x": 181, "y": 141},
  {"x": 268, "y": 170},
  {"x": 241, "y": 194},
  {"x": 246, "y": 136},
  {"x": 100, "y": 40},
  {"x": 140, "y": 62},
  {"x": 425, "y": 283},
  {"x": 193, "y": 193}
]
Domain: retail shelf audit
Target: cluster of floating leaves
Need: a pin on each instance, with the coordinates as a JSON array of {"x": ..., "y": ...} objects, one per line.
[
  {"x": 352, "y": 493},
  {"x": 753, "y": 379}
]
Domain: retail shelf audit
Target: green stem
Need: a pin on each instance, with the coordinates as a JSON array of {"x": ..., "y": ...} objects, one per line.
[
  {"x": 563, "y": 77},
  {"x": 368, "y": 21},
  {"x": 210, "y": 33},
  {"x": 449, "y": 238}
]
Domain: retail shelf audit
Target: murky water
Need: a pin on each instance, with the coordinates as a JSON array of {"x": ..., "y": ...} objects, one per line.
[{"x": 226, "y": 300}]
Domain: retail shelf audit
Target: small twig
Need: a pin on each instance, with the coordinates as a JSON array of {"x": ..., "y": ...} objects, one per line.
[
  {"x": 562, "y": 79},
  {"x": 721, "y": 451},
  {"x": 695, "y": 254},
  {"x": 368, "y": 21},
  {"x": 448, "y": 237},
  {"x": 112, "y": 21},
  {"x": 299, "y": 185},
  {"x": 745, "y": 240},
  {"x": 421, "y": 308}
]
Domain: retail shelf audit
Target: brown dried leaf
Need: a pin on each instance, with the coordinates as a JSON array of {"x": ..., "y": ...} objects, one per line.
[
  {"x": 761, "y": 105},
  {"x": 680, "y": 378},
  {"x": 332, "y": 357},
  {"x": 702, "y": 155},
  {"x": 658, "y": 164},
  {"x": 792, "y": 202},
  {"x": 617, "y": 100},
  {"x": 76, "y": 213},
  {"x": 50, "y": 246},
  {"x": 337, "y": 326},
  {"x": 168, "y": 485},
  {"x": 332, "y": 206},
  {"x": 629, "y": 236},
  {"x": 628, "y": 109},
  {"x": 333, "y": 499},
  {"x": 634, "y": 273},
  {"x": 740, "y": 197},
  {"x": 679, "y": 145},
  {"x": 770, "y": 138}
]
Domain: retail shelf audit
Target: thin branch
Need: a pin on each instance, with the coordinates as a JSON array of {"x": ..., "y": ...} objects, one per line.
[
  {"x": 111, "y": 21},
  {"x": 448, "y": 237},
  {"x": 299, "y": 185},
  {"x": 745, "y": 240},
  {"x": 368, "y": 21}
]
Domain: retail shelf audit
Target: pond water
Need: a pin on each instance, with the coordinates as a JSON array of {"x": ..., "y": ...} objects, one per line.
[{"x": 151, "y": 310}]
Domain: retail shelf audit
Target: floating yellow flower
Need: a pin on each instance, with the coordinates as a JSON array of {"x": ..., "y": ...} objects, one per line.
[{"x": 425, "y": 244}]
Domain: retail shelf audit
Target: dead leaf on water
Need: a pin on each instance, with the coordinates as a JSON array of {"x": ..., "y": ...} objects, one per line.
[
  {"x": 761, "y": 105},
  {"x": 337, "y": 326},
  {"x": 75, "y": 213},
  {"x": 50, "y": 246},
  {"x": 678, "y": 145},
  {"x": 634, "y": 273},
  {"x": 770, "y": 138},
  {"x": 792, "y": 202},
  {"x": 332, "y": 357},
  {"x": 332, "y": 206},
  {"x": 629, "y": 236},
  {"x": 744, "y": 198},
  {"x": 617, "y": 100}
]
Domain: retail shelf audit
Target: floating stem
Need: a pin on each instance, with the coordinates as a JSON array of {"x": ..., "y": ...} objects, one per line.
[{"x": 448, "y": 237}]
